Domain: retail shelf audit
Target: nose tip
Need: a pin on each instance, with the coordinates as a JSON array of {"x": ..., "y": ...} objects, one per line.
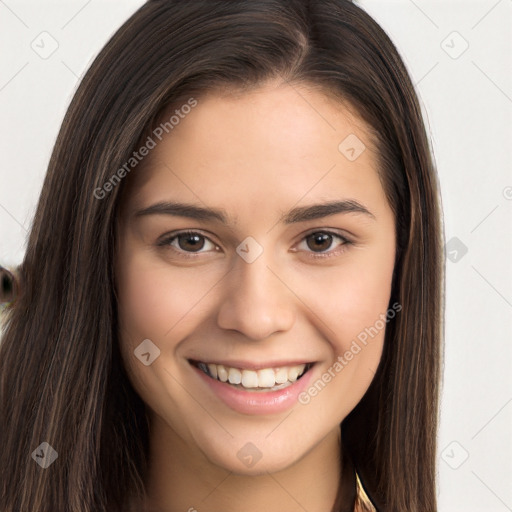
[{"x": 256, "y": 302}]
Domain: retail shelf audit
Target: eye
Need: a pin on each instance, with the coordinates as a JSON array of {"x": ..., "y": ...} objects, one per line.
[
  {"x": 319, "y": 242},
  {"x": 188, "y": 242}
]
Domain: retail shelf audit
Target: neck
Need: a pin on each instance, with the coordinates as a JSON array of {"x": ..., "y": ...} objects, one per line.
[{"x": 181, "y": 479}]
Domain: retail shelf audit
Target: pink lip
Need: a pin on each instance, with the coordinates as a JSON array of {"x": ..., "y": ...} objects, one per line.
[{"x": 249, "y": 402}]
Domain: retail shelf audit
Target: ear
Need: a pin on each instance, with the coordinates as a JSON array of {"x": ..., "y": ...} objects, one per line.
[{"x": 9, "y": 284}]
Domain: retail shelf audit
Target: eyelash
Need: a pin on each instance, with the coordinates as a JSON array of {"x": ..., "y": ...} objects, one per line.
[{"x": 166, "y": 243}]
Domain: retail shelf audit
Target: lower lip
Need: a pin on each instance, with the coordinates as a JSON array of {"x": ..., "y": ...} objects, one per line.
[{"x": 257, "y": 402}]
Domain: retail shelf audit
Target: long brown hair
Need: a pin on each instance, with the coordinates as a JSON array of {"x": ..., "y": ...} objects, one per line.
[{"x": 61, "y": 376}]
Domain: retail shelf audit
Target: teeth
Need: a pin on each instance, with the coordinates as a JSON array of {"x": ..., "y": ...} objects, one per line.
[
  {"x": 222, "y": 373},
  {"x": 265, "y": 378},
  {"x": 203, "y": 367},
  {"x": 213, "y": 370},
  {"x": 249, "y": 379},
  {"x": 234, "y": 376},
  {"x": 281, "y": 375},
  {"x": 293, "y": 373}
]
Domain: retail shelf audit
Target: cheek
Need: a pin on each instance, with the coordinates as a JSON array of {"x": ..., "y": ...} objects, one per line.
[
  {"x": 353, "y": 322},
  {"x": 358, "y": 326},
  {"x": 153, "y": 302},
  {"x": 159, "y": 305},
  {"x": 363, "y": 301},
  {"x": 353, "y": 302}
]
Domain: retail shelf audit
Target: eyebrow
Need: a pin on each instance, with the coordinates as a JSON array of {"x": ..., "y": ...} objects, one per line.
[{"x": 299, "y": 214}]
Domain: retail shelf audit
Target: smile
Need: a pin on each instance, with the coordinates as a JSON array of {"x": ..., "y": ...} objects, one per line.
[{"x": 265, "y": 379}]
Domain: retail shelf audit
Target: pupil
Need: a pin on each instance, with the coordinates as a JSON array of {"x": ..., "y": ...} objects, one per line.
[{"x": 321, "y": 239}]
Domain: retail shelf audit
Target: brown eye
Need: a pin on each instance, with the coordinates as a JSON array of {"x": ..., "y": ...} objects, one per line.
[
  {"x": 324, "y": 244},
  {"x": 319, "y": 241},
  {"x": 188, "y": 242}
]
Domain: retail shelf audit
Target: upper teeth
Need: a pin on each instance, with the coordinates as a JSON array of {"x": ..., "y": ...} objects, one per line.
[{"x": 265, "y": 378}]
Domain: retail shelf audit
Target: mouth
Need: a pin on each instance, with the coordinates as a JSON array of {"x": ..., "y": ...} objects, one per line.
[{"x": 262, "y": 380}]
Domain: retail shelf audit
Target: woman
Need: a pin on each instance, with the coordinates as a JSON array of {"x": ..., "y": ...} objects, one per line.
[{"x": 232, "y": 291}]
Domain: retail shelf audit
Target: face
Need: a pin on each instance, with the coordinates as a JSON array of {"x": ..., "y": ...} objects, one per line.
[{"x": 279, "y": 267}]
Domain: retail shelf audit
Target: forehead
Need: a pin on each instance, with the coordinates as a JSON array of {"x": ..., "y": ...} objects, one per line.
[{"x": 273, "y": 145}]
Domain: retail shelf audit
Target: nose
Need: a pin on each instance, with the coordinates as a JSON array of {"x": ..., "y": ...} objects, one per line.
[{"x": 256, "y": 301}]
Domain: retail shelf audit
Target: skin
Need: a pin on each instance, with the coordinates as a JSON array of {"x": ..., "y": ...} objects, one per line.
[{"x": 255, "y": 155}]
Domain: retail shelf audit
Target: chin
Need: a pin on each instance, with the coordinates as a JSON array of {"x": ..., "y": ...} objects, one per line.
[{"x": 246, "y": 459}]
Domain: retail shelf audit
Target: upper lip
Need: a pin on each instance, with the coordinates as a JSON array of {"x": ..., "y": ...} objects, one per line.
[{"x": 251, "y": 365}]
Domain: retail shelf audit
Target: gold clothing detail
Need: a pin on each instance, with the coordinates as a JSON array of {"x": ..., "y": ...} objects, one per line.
[{"x": 363, "y": 503}]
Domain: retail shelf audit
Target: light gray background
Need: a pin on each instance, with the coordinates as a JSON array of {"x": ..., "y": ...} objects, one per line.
[{"x": 467, "y": 98}]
